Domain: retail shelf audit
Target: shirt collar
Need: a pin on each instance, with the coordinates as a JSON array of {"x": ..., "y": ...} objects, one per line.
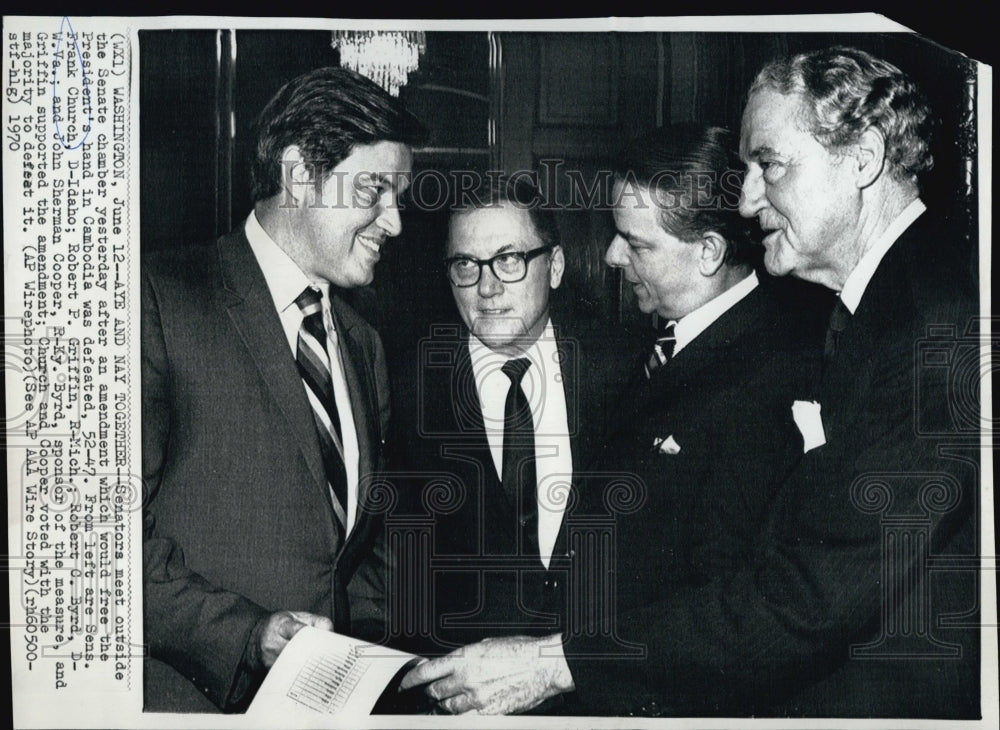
[
  {"x": 694, "y": 323},
  {"x": 285, "y": 280},
  {"x": 484, "y": 360},
  {"x": 857, "y": 281}
]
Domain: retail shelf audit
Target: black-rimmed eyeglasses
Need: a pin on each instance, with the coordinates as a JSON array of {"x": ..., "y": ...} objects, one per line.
[{"x": 509, "y": 267}]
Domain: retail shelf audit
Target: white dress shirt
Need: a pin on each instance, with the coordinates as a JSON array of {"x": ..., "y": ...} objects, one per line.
[
  {"x": 694, "y": 323},
  {"x": 543, "y": 387},
  {"x": 858, "y": 280},
  {"x": 286, "y": 281}
]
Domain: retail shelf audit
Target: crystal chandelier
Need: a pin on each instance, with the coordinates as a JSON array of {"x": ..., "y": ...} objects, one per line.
[{"x": 385, "y": 56}]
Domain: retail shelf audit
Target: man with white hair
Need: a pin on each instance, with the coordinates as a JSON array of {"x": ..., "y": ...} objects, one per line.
[{"x": 853, "y": 603}]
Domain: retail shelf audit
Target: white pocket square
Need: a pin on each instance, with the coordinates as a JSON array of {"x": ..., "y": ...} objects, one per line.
[
  {"x": 666, "y": 446},
  {"x": 810, "y": 422}
]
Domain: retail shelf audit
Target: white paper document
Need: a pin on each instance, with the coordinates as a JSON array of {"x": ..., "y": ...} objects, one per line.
[{"x": 329, "y": 674}]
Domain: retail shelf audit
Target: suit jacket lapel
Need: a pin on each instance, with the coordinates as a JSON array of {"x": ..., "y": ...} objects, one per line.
[
  {"x": 702, "y": 351},
  {"x": 584, "y": 397},
  {"x": 467, "y": 410},
  {"x": 251, "y": 309},
  {"x": 882, "y": 318},
  {"x": 580, "y": 429},
  {"x": 364, "y": 407},
  {"x": 463, "y": 395}
]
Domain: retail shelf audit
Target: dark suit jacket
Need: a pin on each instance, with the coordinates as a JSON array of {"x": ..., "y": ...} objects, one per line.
[
  {"x": 478, "y": 586},
  {"x": 855, "y": 601},
  {"x": 237, "y": 518},
  {"x": 725, "y": 400}
]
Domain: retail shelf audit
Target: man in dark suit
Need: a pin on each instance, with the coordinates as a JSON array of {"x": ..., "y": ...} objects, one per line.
[
  {"x": 265, "y": 401},
  {"x": 702, "y": 428},
  {"x": 707, "y": 422},
  {"x": 858, "y": 599},
  {"x": 497, "y": 498}
]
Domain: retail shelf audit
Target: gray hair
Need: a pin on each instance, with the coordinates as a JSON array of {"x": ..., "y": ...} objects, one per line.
[{"x": 847, "y": 92}]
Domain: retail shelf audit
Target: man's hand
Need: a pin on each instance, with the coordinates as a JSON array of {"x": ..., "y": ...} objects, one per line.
[
  {"x": 496, "y": 676},
  {"x": 280, "y": 627}
]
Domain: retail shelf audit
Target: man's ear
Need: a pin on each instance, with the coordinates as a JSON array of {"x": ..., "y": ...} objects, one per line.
[
  {"x": 296, "y": 175},
  {"x": 712, "y": 253},
  {"x": 557, "y": 265},
  {"x": 869, "y": 157}
]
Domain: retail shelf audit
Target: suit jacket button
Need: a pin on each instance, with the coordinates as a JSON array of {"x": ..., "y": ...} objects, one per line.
[{"x": 523, "y": 522}]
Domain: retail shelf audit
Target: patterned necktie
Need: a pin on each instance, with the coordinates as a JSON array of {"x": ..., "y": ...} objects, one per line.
[
  {"x": 663, "y": 349},
  {"x": 519, "y": 478},
  {"x": 840, "y": 317},
  {"x": 313, "y": 363}
]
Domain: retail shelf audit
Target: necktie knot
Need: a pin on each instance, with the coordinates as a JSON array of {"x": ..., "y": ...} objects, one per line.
[
  {"x": 515, "y": 369},
  {"x": 666, "y": 335},
  {"x": 663, "y": 348},
  {"x": 840, "y": 317},
  {"x": 310, "y": 301}
]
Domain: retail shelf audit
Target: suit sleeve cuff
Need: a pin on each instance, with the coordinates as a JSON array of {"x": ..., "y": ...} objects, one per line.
[{"x": 249, "y": 674}]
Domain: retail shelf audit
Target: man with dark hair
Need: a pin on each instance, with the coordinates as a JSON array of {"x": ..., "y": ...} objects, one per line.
[
  {"x": 501, "y": 413},
  {"x": 265, "y": 402},
  {"x": 707, "y": 423},
  {"x": 326, "y": 115},
  {"x": 702, "y": 428}
]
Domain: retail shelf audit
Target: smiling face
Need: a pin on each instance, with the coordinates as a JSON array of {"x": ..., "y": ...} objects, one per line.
[
  {"x": 507, "y": 318},
  {"x": 803, "y": 195},
  {"x": 338, "y": 237},
  {"x": 663, "y": 270}
]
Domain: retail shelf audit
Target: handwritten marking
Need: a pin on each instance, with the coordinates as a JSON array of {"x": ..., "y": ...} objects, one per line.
[{"x": 73, "y": 92}]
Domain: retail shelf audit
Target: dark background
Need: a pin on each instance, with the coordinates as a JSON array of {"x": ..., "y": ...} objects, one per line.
[{"x": 574, "y": 98}]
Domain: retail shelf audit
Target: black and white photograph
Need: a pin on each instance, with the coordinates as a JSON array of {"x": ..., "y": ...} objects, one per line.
[{"x": 375, "y": 373}]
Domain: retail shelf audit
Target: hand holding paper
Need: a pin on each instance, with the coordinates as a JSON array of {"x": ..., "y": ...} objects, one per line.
[{"x": 278, "y": 630}]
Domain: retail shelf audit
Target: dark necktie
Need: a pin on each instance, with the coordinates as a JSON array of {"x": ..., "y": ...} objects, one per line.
[
  {"x": 839, "y": 319},
  {"x": 663, "y": 349},
  {"x": 313, "y": 363},
  {"x": 519, "y": 479}
]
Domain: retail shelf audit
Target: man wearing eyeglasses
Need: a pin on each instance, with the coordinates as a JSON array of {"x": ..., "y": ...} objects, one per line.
[
  {"x": 702, "y": 430},
  {"x": 507, "y": 407}
]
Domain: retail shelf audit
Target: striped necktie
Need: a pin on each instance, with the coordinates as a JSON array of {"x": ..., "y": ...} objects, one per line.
[
  {"x": 314, "y": 368},
  {"x": 663, "y": 349}
]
